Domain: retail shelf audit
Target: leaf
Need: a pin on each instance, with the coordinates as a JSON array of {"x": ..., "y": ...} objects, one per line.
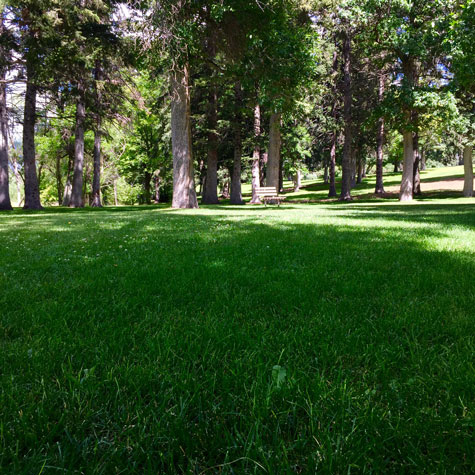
[{"x": 279, "y": 373}]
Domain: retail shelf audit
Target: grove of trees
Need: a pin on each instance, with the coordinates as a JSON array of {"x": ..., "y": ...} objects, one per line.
[{"x": 107, "y": 102}]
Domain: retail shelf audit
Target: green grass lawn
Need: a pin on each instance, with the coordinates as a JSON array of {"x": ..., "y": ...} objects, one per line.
[{"x": 330, "y": 337}]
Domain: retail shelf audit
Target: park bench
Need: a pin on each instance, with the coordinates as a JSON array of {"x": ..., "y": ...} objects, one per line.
[{"x": 269, "y": 193}]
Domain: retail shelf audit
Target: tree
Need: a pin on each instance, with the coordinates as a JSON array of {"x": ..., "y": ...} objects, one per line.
[{"x": 5, "y": 203}]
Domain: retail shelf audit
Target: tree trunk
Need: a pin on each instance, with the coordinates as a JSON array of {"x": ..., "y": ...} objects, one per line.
[
  {"x": 96, "y": 177},
  {"x": 96, "y": 174},
  {"x": 256, "y": 155},
  {"x": 156, "y": 181},
  {"x": 379, "y": 189},
  {"x": 77, "y": 200},
  {"x": 281, "y": 174},
  {"x": 396, "y": 167},
  {"x": 184, "y": 193},
  {"x": 359, "y": 178},
  {"x": 147, "y": 186},
  {"x": 262, "y": 167},
  {"x": 210, "y": 193},
  {"x": 423, "y": 159},
  {"x": 468, "y": 168},
  {"x": 346, "y": 164},
  {"x": 32, "y": 187},
  {"x": 68, "y": 187},
  {"x": 236, "y": 194},
  {"x": 17, "y": 180},
  {"x": 416, "y": 185},
  {"x": 407, "y": 183},
  {"x": 5, "y": 203},
  {"x": 297, "y": 181},
  {"x": 332, "y": 190},
  {"x": 326, "y": 176},
  {"x": 59, "y": 181},
  {"x": 405, "y": 193},
  {"x": 273, "y": 159},
  {"x": 354, "y": 154}
]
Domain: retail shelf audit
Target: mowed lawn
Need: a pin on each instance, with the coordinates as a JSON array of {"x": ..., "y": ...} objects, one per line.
[{"x": 322, "y": 337}]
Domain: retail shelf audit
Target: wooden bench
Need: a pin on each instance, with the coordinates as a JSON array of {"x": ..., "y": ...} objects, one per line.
[{"x": 269, "y": 193}]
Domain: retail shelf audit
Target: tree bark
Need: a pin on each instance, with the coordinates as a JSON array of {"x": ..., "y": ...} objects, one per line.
[
  {"x": 347, "y": 98},
  {"x": 359, "y": 178},
  {"x": 297, "y": 181},
  {"x": 32, "y": 187},
  {"x": 156, "y": 181},
  {"x": 326, "y": 175},
  {"x": 210, "y": 193},
  {"x": 262, "y": 167},
  {"x": 68, "y": 186},
  {"x": 5, "y": 203},
  {"x": 96, "y": 177},
  {"x": 281, "y": 174},
  {"x": 77, "y": 200},
  {"x": 407, "y": 183},
  {"x": 468, "y": 169},
  {"x": 59, "y": 181},
  {"x": 236, "y": 193},
  {"x": 405, "y": 193},
  {"x": 416, "y": 175},
  {"x": 184, "y": 193},
  {"x": 147, "y": 185},
  {"x": 256, "y": 155},
  {"x": 423, "y": 159},
  {"x": 379, "y": 189},
  {"x": 273, "y": 159},
  {"x": 332, "y": 191},
  {"x": 96, "y": 174}
]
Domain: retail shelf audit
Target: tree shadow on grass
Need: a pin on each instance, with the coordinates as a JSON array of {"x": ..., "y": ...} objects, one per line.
[{"x": 191, "y": 341}]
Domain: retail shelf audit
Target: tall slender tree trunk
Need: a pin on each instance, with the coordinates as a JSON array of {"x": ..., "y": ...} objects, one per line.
[
  {"x": 281, "y": 174},
  {"x": 405, "y": 193},
  {"x": 236, "y": 193},
  {"x": 360, "y": 165},
  {"x": 184, "y": 193},
  {"x": 332, "y": 163},
  {"x": 96, "y": 174},
  {"x": 346, "y": 163},
  {"x": 468, "y": 169},
  {"x": 147, "y": 185},
  {"x": 32, "y": 187},
  {"x": 297, "y": 180},
  {"x": 326, "y": 171},
  {"x": 262, "y": 167},
  {"x": 210, "y": 193},
  {"x": 332, "y": 191},
  {"x": 423, "y": 159},
  {"x": 68, "y": 187},
  {"x": 416, "y": 175},
  {"x": 59, "y": 181},
  {"x": 5, "y": 203},
  {"x": 379, "y": 189},
  {"x": 17, "y": 180},
  {"x": 96, "y": 177},
  {"x": 156, "y": 182},
  {"x": 273, "y": 160},
  {"x": 256, "y": 155},
  {"x": 77, "y": 200}
]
